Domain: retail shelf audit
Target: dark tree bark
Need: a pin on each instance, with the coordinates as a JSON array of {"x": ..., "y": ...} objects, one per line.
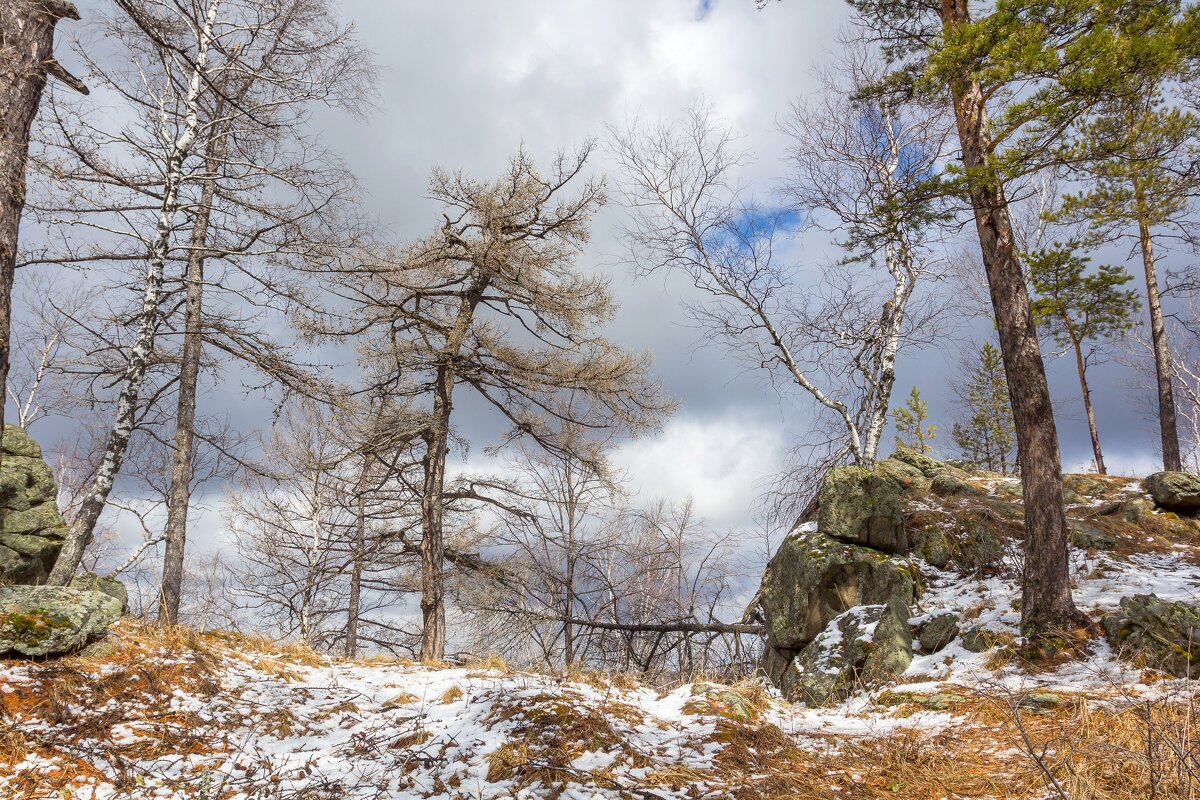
[
  {"x": 1167, "y": 423},
  {"x": 1046, "y": 606},
  {"x": 180, "y": 495},
  {"x": 26, "y": 59},
  {"x": 433, "y": 548},
  {"x": 1081, "y": 367}
]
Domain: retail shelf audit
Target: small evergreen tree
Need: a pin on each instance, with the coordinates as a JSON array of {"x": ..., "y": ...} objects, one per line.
[
  {"x": 986, "y": 435},
  {"x": 910, "y": 420},
  {"x": 1082, "y": 311}
]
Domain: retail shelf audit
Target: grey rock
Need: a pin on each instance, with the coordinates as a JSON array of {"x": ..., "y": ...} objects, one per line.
[
  {"x": 91, "y": 582},
  {"x": 1174, "y": 491},
  {"x": 1089, "y": 537},
  {"x": 939, "y": 632},
  {"x": 813, "y": 578},
  {"x": 905, "y": 476},
  {"x": 1156, "y": 633},
  {"x": 864, "y": 647},
  {"x": 862, "y": 507},
  {"x": 977, "y": 639},
  {"x": 932, "y": 545},
  {"x": 979, "y": 549},
  {"x": 52, "y": 620}
]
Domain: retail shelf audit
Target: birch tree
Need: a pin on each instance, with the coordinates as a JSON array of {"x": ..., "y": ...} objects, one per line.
[
  {"x": 253, "y": 194},
  {"x": 185, "y": 110},
  {"x": 853, "y": 166}
]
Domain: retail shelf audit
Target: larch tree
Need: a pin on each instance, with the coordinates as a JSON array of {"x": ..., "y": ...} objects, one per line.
[
  {"x": 493, "y": 301},
  {"x": 1017, "y": 76},
  {"x": 1081, "y": 310},
  {"x": 26, "y": 62}
]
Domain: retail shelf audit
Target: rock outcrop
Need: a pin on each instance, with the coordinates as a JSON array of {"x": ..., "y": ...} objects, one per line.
[
  {"x": 1157, "y": 633},
  {"x": 31, "y": 529},
  {"x": 862, "y": 507},
  {"x": 1174, "y": 491},
  {"x": 865, "y": 646},
  {"x": 52, "y": 620}
]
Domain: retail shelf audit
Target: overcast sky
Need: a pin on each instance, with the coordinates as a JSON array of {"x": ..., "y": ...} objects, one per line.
[{"x": 464, "y": 83}]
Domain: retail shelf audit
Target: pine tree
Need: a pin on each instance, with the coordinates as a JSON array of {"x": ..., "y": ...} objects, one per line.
[
  {"x": 987, "y": 433},
  {"x": 1082, "y": 311},
  {"x": 910, "y": 420}
]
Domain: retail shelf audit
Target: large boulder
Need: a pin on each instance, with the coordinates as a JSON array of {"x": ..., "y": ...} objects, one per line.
[
  {"x": 1156, "y": 633},
  {"x": 52, "y": 620},
  {"x": 862, "y": 507},
  {"x": 1174, "y": 491},
  {"x": 860, "y": 649},
  {"x": 31, "y": 529},
  {"x": 90, "y": 581},
  {"x": 813, "y": 578}
]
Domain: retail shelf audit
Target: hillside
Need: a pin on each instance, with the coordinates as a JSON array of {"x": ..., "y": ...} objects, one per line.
[{"x": 181, "y": 714}]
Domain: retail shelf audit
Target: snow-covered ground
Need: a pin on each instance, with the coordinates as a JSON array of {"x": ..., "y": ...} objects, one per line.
[{"x": 221, "y": 717}]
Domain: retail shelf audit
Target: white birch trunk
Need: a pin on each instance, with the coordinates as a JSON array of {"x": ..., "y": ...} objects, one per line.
[{"x": 139, "y": 357}]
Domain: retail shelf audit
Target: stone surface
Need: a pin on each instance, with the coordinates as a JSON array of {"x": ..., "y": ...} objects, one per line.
[
  {"x": 978, "y": 548},
  {"x": 977, "y": 638},
  {"x": 91, "y": 582},
  {"x": 814, "y": 578},
  {"x": 1085, "y": 485},
  {"x": 929, "y": 467},
  {"x": 932, "y": 545},
  {"x": 905, "y": 476},
  {"x": 862, "y": 507},
  {"x": 1156, "y": 633},
  {"x": 1174, "y": 491},
  {"x": 31, "y": 529},
  {"x": 1086, "y": 536},
  {"x": 948, "y": 485},
  {"x": 52, "y": 620},
  {"x": 939, "y": 632},
  {"x": 862, "y": 648}
]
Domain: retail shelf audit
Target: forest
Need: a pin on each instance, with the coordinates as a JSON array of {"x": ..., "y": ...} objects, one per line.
[{"x": 762, "y": 361}]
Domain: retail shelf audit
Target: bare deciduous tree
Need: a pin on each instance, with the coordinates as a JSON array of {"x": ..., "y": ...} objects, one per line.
[{"x": 493, "y": 301}]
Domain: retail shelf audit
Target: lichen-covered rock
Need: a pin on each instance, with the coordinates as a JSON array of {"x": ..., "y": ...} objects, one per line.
[
  {"x": 862, "y": 507},
  {"x": 932, "y": 545},
  {"x": 91, "y": 582},
  {"x": 862, "y": 648},
  {"x": 31, "y": 529},
  {"x": 813, "y": 578},
  {"x": 929, "y": 467},
  {"x": 51, "y": 620},
  {"x": 939, "y": 632},
  {"x": 1174, "y": 491},
  {"x": 1156, "y": 633},
  {"x": 947, "y": 485},
  {"x": 906, "y": 476},
  {"x": 977, "y": 638},
  {"x": 1085, "y": 485},
  {"x": 1086, "y": 536}
]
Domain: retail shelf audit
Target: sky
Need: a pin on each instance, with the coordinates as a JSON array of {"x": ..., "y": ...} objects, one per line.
[{"x": 467, "y": 83}]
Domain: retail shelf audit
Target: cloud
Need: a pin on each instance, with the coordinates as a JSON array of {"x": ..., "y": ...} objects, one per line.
[{"x": 720, "y": 463}]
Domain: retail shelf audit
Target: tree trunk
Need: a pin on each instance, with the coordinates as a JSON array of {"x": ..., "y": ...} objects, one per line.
[
  {"x": 1168, "y": 427},
  {"x": 1087, "y": 406},
  {"x": 115, "y": 447},
  {"x": 1046, "y": 605},
  {"x": 180, "y": 495},
  {"x": 433, "y": 604},
  {"x": 26, "y": 58},
  {"x": 360, "y": 542}
]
